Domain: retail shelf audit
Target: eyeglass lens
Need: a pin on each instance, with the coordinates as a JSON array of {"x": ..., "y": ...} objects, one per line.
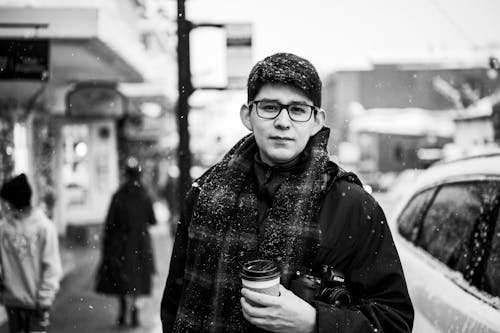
[{"x": 296, "y": 111}]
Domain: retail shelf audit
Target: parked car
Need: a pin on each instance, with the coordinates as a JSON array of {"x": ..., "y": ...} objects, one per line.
[{"x": 447, "y": 231}]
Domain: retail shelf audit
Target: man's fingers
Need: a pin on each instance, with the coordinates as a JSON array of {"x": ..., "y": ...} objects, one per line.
[
  {"x": 261, "y": 299},
  {"x": 252, "y": 314},
  {"x": 253, "y": 311},
  {"x": 255, "y": 321}
]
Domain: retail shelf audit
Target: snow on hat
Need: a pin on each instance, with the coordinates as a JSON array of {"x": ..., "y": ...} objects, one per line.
[
  {"x": 289, "y": 69},
  {"x": 17, "y": 191}
]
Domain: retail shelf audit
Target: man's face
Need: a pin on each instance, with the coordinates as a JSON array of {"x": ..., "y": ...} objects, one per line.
[{"x": 280, "y": 140}]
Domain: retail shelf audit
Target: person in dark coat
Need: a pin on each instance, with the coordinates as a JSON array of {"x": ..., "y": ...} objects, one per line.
[
  {"x": 171, "y": 196},
  {"x": 127, "y": 262},
  {"x": 277, "y": 196}
]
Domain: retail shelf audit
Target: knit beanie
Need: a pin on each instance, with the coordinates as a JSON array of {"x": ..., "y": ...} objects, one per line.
[
  {"x": 17, "y": 191},
  {"x": 289, "y": 69}
]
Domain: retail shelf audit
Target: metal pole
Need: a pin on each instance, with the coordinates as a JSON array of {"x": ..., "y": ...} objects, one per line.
[{"x": 185, "y": 90}]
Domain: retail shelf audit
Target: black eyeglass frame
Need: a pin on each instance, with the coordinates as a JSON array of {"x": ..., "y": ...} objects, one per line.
[{"x": 314, "y": 109}]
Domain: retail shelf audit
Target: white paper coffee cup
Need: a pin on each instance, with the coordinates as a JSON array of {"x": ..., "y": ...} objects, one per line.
[{"x": 262, "y": 276}]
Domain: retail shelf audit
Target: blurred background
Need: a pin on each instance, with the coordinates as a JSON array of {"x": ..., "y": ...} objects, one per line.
[{"x": 85, "y": 84}]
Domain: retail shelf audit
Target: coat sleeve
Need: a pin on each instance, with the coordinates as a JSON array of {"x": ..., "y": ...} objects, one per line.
[
  {"x": 151, "y": 213},
  {"x": 110, "y": 224},
  {"x": 360, "y": 244},
  {"x": 51, "y": 267},
  {"x": 175, "y": 280}
]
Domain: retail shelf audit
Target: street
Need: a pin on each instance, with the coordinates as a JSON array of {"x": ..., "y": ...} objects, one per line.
[{"x": 79, "y": 309}]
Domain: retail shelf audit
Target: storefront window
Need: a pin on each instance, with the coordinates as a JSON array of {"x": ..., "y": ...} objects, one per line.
[
  {"x": 76, "y": 180},
  {"x": 6, "y": 143}
]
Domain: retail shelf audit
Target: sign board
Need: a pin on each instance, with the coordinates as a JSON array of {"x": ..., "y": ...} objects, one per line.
[
  {"x": 221, "y": 57},
  {"x": 495, "y": 120},
  {"x": 208, "y": 58},
  {"x": 24, "y": 59},
  {"x": 239, "y": 54},
  {"x": 95, "y": 100}
]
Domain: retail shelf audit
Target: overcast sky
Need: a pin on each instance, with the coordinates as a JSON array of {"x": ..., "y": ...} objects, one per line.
[{"x": 353, "y": 33}]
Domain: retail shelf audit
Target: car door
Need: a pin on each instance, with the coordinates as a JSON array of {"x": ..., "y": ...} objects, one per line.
[{"x": 449, "y": 229}]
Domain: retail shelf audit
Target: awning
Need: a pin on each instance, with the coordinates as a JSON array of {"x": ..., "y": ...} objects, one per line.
[{"x": 85, "y": 43}]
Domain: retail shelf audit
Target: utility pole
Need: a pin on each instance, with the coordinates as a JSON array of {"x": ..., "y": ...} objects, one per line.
[{"x": 185, "y": 90}]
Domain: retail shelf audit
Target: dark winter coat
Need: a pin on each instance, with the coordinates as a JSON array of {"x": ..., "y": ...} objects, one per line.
[
  {"x": 355, "y": 240},
  {"x": 127, "y": 262}
]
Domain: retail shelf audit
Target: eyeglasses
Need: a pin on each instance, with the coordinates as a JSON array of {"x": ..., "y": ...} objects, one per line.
[{"x": 299, "y": 112}]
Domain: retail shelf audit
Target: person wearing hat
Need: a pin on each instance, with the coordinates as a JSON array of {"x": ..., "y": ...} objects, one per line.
[
  {"x": 277, "y": 196},
  {"x": 29, "y": 258},
  {"x": 127, "y": 262}
]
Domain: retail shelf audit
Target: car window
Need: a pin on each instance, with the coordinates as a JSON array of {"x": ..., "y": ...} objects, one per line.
[
  {"x": 448, "y": 225},
  {"x": 491, "y": 281},
  {"x": 409, "y": 219}
]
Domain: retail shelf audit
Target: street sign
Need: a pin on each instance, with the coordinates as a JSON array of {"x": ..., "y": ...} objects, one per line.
[
  {"x": 239, "y": 54},
  {"x": 91, "y": 100},
  {"x": 495, "y": 119},
  {"x": 26, "y": 59},
  {"x": 208, "y": 58},
  {"x": 221, "y": 57}
]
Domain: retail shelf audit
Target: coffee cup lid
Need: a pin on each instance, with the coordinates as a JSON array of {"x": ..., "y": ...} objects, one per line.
[{"x": 260, "y": 269}]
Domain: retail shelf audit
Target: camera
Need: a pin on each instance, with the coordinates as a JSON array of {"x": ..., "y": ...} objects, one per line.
[
  {"x": 330, "y": 288},
  {"x": 305, "y": 286}
]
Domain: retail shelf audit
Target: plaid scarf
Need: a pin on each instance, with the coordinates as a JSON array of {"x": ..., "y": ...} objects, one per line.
[{"x": 224, "y": 233}]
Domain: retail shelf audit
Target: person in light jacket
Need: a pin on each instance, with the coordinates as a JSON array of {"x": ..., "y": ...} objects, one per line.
[{"x": 29, "y": 258}]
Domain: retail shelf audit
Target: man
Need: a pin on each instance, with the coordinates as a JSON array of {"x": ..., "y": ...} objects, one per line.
[
  {"x": 29, "y": 259},
  {"x": 276, "y": 196}
]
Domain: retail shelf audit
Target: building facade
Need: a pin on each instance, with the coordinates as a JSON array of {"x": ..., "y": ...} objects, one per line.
[
  {"x": 65, "y": 108},
  {"x": 426, "y": 86}
]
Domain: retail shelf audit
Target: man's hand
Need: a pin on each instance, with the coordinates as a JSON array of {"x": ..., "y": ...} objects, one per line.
[{"x": 286, "y": 313}]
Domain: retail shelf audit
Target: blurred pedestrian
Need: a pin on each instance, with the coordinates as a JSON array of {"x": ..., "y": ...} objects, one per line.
[
  {"x": 171, "y": 197},
  {"x": 30, "y": 261},
  {"x": 277, "y": 196},
  {"x": 127, "y": 262}
]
